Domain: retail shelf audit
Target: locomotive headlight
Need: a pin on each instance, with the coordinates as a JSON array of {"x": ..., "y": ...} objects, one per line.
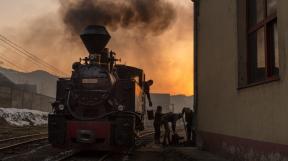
[
  {"x": 120, "y": 108},
  {"x": 61, "y": 107}
]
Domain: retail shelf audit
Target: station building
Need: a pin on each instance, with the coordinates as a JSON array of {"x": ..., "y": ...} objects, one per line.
[
  {"x": 161, "y": 99},
  {"x": 241, "y": 83},
  {"x": 22, "y": 96}
]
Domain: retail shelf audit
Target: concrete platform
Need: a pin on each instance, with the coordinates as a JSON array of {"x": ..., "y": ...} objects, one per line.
[
  {"x": 192, "y": 153},
  {"x": 185, "y": 153}
]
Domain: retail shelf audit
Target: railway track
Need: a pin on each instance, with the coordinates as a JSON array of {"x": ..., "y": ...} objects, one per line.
[
  {"x": 72, "y": 155},
  {"x": 22, "y": 128},
  {"x": 11, "y": 132},
  {"x": 142, "y": 139},
  {"x": 11, "y": 143},
  {"x": 146, "y": 133}
]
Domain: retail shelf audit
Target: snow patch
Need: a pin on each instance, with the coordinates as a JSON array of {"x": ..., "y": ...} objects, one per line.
[{"x": 23, "y": 117}]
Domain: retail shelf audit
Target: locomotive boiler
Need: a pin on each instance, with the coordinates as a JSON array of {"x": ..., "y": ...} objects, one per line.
[{"x": 101, "y": 106}]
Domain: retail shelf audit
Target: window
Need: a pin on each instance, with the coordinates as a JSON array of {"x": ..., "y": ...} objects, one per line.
[{"x": 262, "y": 41}]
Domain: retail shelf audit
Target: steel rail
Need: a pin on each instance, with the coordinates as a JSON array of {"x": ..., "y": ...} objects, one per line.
[
  {"x": 69, "y": 154},
  {"x": 104, "y": 157},
  {"x": 22, "y": 137},
  {"x": 22, "y": 143},
  {"x": 64, "y": 155},
  {"x": 143, "y": 134},
  {"x": 138, "y": 144},
  {"x": 147, "y": 133},
  {"x": 22, "y": 128}
]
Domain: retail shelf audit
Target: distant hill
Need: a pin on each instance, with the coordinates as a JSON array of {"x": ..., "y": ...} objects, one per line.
[{"x": 45, "y": 82}]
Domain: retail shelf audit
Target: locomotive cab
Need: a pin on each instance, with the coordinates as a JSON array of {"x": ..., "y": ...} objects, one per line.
[{"x": 101, "y": 104}]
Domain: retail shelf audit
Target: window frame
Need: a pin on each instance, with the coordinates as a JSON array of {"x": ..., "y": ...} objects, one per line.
[{"x": 268, "y": 21}]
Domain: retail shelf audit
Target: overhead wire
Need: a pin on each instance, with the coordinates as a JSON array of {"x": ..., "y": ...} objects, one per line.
[
  {"x": 31, "y": 55},
  {"x": 19, "y": 53},
  {"x": 34, "y": 58},
  {"x": 37, "y": 62},
  {"x": 11, "y": 63},
  {"x": 34, "y": 62},
  {"x": 12, "y": 57}
]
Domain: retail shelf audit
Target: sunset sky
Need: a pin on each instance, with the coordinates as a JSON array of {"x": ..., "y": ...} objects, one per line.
[{"x": 171, "y": 64}]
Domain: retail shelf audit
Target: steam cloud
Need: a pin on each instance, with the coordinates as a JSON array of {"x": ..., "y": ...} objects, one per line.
[
  {"x": 148, "y": 16},
  {"x": 145, "y": 33}
]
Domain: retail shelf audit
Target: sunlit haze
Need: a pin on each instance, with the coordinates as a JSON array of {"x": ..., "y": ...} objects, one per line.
[{"x": 171, "y": 66}]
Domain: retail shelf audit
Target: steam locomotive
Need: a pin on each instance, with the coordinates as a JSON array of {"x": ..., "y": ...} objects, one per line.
[{"x": 101, "y": 107}]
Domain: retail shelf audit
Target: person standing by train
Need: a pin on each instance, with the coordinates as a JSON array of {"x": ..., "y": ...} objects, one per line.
[
  {"x": 147, "y": 85},
  {"x": 190, "y": 129},
  {"x": 165, "y": 120},
  {"x": 157, "y": 124}
]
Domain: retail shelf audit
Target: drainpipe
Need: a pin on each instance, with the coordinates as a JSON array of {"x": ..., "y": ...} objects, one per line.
[
  {"x": 196, "y": 26},
  {"x": 196, "y": 14}
]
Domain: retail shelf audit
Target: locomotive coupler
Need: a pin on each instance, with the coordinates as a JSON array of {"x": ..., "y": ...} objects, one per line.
[{"x": 85, "y": 136}]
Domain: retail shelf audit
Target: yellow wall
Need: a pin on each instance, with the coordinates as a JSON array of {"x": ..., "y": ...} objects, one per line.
[{"x": 260, "y": 112}]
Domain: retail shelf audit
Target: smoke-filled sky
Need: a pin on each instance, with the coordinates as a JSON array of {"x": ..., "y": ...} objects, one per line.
[{"x": 155, "y": 35}]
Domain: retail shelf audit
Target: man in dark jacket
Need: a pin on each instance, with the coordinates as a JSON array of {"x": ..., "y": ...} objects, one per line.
[
  {"x": 157, "y": 124},
  {"x": 190, "y": 129},
  {"x": 147, "y": 85},
  {"x": 165, "y": 120}
]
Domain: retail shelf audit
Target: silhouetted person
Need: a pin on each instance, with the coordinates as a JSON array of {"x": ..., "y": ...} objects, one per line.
[
  {"x": 147, "y": 85},
  {"x": 166, "y": 119},
  {"x": 190, "y": 129},
  {"x": 157, "y": 124},
  {"x": 166, "y": 138}
]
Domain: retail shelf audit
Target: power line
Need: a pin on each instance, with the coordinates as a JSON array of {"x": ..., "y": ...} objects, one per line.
[
  {"x": 11, "y": 63},
  {"x": 28, "y": 54},
  {"x": 35, "y": 59},
  {"x": 32, "y": 61},
  {"x": 32, "y": 55},
  {"x": 15, "y": 58}
]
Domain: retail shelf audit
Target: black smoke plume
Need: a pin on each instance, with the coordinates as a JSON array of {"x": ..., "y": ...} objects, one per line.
[
  {"x": 147, "y": 16},
  {"x": 165, "y": 58}
]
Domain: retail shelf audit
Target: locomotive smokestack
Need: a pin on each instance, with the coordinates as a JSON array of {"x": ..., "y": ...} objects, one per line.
[{"x": 95, "y": 38}]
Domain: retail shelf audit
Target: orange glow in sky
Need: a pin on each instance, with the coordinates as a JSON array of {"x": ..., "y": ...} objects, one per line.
[{"x": 171, "y": 66}]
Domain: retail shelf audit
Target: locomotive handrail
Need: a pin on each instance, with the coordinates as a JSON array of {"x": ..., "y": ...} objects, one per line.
[
  {"x": 114, "y": 112},
  {"x": 93, "y": 90}
]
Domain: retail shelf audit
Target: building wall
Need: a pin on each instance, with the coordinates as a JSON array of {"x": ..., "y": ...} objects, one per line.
[
  {"x": 180, "y": 101},
  {"x": 167, "y": 102},
  {"x": 158, "y": 99},
  {"x": 10, "y": 97},
  {"x": 253, "y": 115},
  {"x": 161, "y": 99},
  {"x": 5, "y": 96}
]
